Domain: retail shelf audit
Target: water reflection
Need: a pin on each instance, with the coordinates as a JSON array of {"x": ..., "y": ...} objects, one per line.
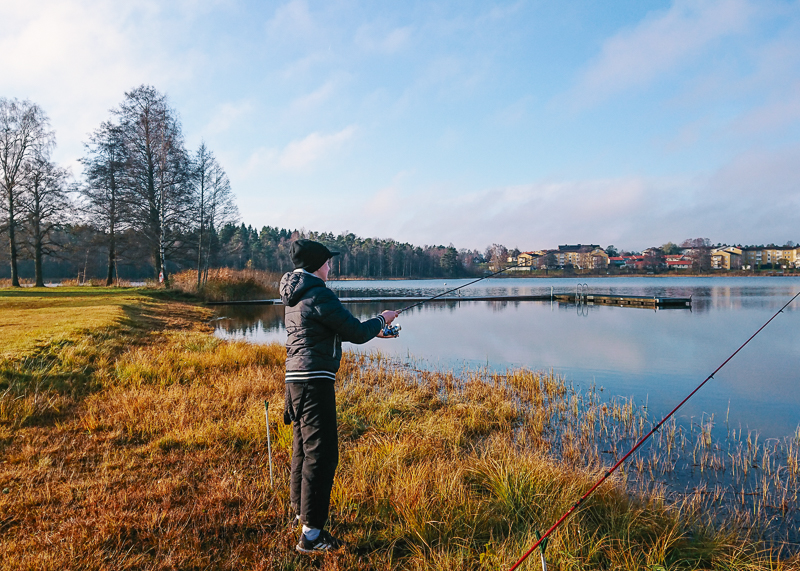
[{"x": 656, "y": 357}]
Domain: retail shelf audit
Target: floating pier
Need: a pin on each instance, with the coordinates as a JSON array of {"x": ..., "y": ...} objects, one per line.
[
  {"x": 588, "y": 298},
  {"x": 625, "y": 300}
]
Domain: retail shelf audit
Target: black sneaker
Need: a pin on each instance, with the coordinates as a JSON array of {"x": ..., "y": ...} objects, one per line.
[{"x": 324, "y": 543}]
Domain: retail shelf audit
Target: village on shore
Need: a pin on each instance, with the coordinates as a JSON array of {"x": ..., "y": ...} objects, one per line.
[{"x": 697, "y": 255}]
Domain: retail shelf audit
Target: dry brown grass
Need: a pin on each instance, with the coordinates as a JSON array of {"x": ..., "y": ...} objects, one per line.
[
  {"x": 160, "y": 463},
  {"x": 226, "y": 284}
]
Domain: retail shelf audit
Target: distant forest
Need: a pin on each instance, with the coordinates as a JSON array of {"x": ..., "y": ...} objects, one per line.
[{"x": 83, "y": 249}]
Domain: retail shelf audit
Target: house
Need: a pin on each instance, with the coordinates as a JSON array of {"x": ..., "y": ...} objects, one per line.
[
  {"x": 589, "y": 256},
  {"x": 679, "y": 264},
  {"x": 771, "y": 256},
  {"x": 726, "y": 258},
  {"x": 528, "y": 259},
  {"x": 616, "y": 261}
]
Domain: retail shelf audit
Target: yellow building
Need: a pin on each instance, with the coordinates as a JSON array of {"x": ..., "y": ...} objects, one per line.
[
  {"x": 582, "y": 257},
  {"x": 727, "y": 258},
  {"x": 527, "y": 259},
  {"x": 772, "y": 256}
]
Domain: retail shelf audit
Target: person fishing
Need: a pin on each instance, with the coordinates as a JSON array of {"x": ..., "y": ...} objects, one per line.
[{"x": 316, "y": 324}]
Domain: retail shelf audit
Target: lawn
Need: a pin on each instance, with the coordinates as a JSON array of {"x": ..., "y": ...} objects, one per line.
[{"x": 30, "y": 318}]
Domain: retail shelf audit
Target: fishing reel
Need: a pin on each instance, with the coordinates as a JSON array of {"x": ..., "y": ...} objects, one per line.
[{"x": 391, "y": 331}]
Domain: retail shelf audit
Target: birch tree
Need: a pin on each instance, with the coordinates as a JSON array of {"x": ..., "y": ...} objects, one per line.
[
  {"x": 104, "y": 170},
  {"x": 221, "y": 208},
  {"x": 203, "y": 166},
  {"x": 24, "y": 132},
  {"x": 157, "y": 188},
  {"x": 46, "y": 206}
]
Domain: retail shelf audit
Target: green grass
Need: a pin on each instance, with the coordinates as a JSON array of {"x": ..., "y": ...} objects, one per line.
[
  {"x": 32, "y": 317},
  {"x": 138, "y": 441}
]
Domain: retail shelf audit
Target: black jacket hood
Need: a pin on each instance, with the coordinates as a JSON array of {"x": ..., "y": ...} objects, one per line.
[{"x": 295, "y": 285}]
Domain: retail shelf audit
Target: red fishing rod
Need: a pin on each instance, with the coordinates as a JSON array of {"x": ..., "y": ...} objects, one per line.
[{"x": 569, "y": 512}]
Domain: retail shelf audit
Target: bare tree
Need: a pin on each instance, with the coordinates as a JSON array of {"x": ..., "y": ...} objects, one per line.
[
  {"x": 214, "y": 203},
  {"x": 24, "y": 132},
  {"x": 498, "y": 255},
  {"x": 46, "y": 205},
  {"x": 157, "y": 173},
  {"x": 221, "y": 208},
  {"x": 698, "y": 250},
  {"x": 104, "y": 169}
]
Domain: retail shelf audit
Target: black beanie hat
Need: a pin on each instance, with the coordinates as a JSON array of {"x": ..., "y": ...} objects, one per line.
[{"x": 310, "y": 255}]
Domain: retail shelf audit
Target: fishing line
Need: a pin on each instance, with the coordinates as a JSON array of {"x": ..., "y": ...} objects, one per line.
[
  {"x": 643, "y": 439},
  {"x": 457, "y": 288}
]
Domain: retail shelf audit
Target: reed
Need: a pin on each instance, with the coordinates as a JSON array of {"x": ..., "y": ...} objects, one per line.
[
  {"x": 156, "y": 459},
  {"x": 225, "y": 284}
]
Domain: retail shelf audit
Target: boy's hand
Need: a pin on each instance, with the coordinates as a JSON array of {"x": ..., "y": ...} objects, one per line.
[{"x": 390, "y": 315}]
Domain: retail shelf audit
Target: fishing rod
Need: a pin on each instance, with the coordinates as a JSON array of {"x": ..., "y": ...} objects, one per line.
[
  {"x": 605, "y": 476},
  {"x": 458, "y": 288}
]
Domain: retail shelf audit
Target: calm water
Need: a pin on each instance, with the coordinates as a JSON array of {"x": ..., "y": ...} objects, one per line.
[{"x": 656, "y": 357}]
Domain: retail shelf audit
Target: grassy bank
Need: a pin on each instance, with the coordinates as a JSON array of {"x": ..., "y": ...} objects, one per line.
[{"x": 130, "y": 438}]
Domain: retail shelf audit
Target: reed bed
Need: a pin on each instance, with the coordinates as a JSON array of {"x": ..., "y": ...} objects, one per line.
[
  {"x": 158, "y": 460},
  {"x": 226, "y": 284}
]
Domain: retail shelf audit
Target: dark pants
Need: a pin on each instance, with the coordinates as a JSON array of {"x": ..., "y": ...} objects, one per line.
[{"x": 315, "y": 449}]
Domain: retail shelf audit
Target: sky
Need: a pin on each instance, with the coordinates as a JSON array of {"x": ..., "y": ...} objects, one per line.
[{"x": 525, "y": 123}]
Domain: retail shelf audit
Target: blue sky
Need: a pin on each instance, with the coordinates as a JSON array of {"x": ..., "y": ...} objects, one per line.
[{"x": 526, "y": 123}]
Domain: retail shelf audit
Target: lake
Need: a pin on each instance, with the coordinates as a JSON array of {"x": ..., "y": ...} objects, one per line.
[{"x": 655, "y": 357}]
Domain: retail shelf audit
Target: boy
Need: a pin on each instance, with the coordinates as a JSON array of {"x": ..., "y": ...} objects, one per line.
[{"x": 316, "y": 324}]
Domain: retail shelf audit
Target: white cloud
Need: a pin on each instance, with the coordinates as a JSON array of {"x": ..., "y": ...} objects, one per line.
[
  {"x": 292, "y": 18},
  {"x": 297, "y": 155},
  {"x": 314, "y": 147},
  {"x": 77, "y": 58},
  {"x": 660, "y": 44},
  {"x": 773, "y": 116},
  {"x": 754, "y": 198},
  {"x": 226, "y": 115},
  {"x": 315, "y": 98},
  {"x": 370, "y": 39}
]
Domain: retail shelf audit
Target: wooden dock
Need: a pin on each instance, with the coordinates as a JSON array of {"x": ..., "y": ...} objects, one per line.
[
  {"x": 617, "y": 300},
  {"x": 626, "y": 300}
]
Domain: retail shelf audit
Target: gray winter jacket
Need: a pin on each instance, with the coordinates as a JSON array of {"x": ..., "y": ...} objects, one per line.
[{"x": 316, "y": 324}]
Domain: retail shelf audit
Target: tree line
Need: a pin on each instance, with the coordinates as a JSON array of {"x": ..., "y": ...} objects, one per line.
[
  {"x": 243, "y": 247},
  {"x": 145, "y": 200}
]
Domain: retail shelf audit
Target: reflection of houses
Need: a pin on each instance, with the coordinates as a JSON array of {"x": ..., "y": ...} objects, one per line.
[
  {"x": 771, "y": 257},
  {"x": 726, "y": 258}
]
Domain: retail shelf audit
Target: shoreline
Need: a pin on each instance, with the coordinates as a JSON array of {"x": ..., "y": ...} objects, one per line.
[{"x": 576, "y": 276}]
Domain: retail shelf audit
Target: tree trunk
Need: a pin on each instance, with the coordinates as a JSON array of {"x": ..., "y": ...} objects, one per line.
[
  {"x": 37, "y": 242},
  {"x": 112, "y": 257},
  {"x": 112, "y": 228},
  {"x": 37, "y": 261},
  {"x": 12, "y": 240}
]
